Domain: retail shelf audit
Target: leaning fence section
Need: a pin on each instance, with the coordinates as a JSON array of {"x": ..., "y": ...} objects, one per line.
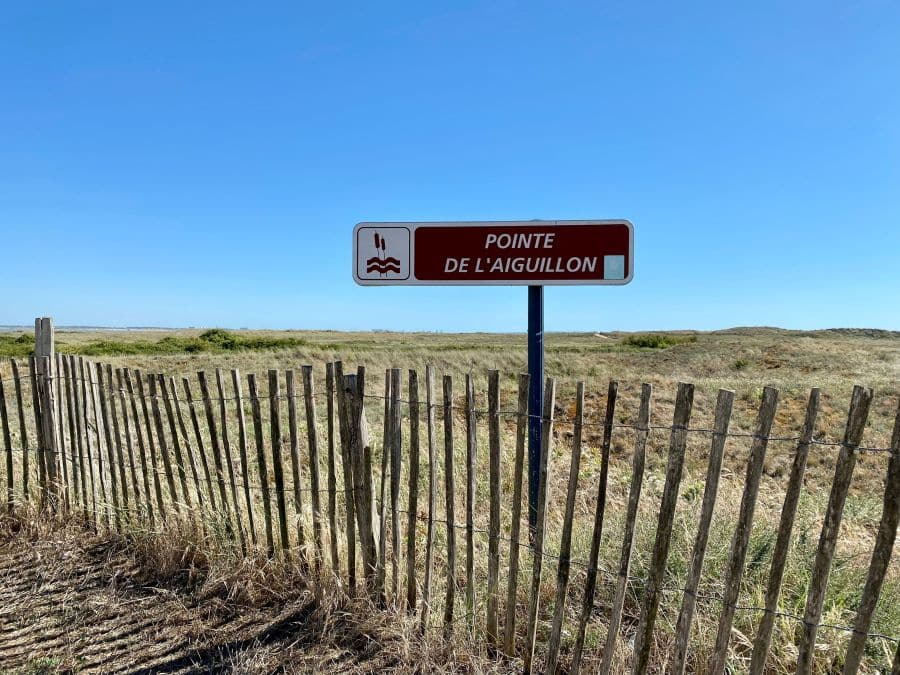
[{"x": 409, "y": 490}]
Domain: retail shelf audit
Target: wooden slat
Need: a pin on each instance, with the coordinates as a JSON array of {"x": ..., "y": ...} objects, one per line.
[
  {"x": 153, "y": 463},
  {"x": 895, "y": 670},
  {"x": 176, "y": 443},
  {"x": 7, "y": 445},
  {"x": 347, "y": 470},
  {"x": 129, "y": 443},
  {"x": 163, "y": 444},
  {"x": 724, "y": 404},
  {"x": 86, "y": 400},
  {"x": 23, "y": 428},
  {"x": 881, "y": 556},
  {"x": 565, "y": 546},
  {"x": 471, "y": 449},
  {"x": 70, "y": 451},
  {"x": 509, "y": 628},
  {"x": 493, "y": 593},
  {"x": 201, "y": 446},
  {"x": 75, "y": 450},
  {"x": 62, "y": 442},
  {"x": 425, "y": 609},
  {"x": 741, "y": 537},
  {"x": 81, "y": 434},
  {"x": 36, "y": 402},
  {"x": 256, "y": 414},
  {"x": 382, "y": 498},
  {"x": 396, "y": 455},
  {"x": 783, "y": 542},
  {"x": 228, "y": 459},
  {"x": 120, "y": 454},
  {"x": 142, "y": 448},
  {"x": 332, "y": 473},
  {"x": 188, "y": 448},
  {"x": 296, "y": 473},
  {"x": 277, "y": 469},
  {"x": 843, "y": 474},
  {"x": 450, "y": 509},
  {"x": 49, "y": 435},
  {"x": 590, "y": 583},
  {"x": 110, "y": 451},
  {"x": 539, "y": 529},
  {"x": 413, "y": 491},
  {"x": 354, "y": 391},
  {"x": 642, "y": 431},
  {"x": 312, "y": 442},
  {"x": 684, "y": 401},
  {"x": 242, "y": 450},
  {"x": 217, "y": 450}
]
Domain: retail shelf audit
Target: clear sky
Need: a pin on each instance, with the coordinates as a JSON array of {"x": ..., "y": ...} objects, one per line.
[{"x": 204, "y": 163}]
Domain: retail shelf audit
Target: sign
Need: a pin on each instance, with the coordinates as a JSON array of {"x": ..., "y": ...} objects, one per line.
[{"x": 515, "y": 253}]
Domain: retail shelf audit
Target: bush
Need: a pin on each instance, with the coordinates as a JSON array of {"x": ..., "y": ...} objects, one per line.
[{"x": 657, "y": 340}]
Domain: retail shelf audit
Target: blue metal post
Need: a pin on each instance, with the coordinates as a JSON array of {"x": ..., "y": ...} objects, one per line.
[{"x": 535, "y": 396}]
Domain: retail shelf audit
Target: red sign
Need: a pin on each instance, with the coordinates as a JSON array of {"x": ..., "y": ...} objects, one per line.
[{"x": 494, "y": 253}]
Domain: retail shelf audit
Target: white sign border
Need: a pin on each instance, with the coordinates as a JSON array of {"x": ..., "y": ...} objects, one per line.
[{"x": 413, "y": 226}]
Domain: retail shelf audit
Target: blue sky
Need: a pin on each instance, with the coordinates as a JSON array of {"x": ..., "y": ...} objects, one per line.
[{"x": 204, "y": 163}]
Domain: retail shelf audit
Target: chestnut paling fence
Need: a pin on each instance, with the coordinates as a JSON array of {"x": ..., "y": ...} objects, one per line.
[{"x": 291, "y": 467}]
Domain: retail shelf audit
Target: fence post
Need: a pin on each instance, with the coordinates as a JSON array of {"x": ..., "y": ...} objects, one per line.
[
  {"x": 413, "y": 504},
  {"x": 23, "y": 429},
  {"x": 494, "y": 516},
  {"x": 522, "y": 420},
  {"x": 539, "y": 534},
  {"x": 332, "y": 473},
  {"x": 684, "y": 402},
  {"x": 48, "y": 424},
  {"x": 349, "y": 506},
  {"x": 262, "y": 468},
  {"x": 881, "y": 556},
  {"x": 382, "y": 484},
  {"x": 296, "y": 467},
  {"x": 7, "y": 443},
  {"x": 642, "y": 432},
  {"x": 44, "y": 347},
  {"x": 741, "y": 538},
  {"x": 710, "y": 491},
  {"x": 471, "y": 445},
  {"x": 432, "y": 498},
  {"x": 565, "y": 547},
  {"x": 843, "y": 473},
  {"x": 242, "y": 448},
  {"x": 450, "y": 495},
  {"x": 312, "y": 443},
  {"x": 353, "y": 387},
  {"x": 590, "y": 583},
  {"x": 782, "y": 544}
]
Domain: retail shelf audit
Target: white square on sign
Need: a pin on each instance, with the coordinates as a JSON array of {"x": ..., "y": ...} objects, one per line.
[
  {"x": 382, "y": 253},
  {"x": 614, "y": 267}
]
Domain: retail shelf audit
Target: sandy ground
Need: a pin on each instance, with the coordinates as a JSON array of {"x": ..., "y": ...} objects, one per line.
[{"x": 76, "y": 602}]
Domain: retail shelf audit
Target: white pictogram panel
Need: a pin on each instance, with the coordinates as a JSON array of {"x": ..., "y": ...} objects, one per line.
[{"x": 382, "y": 253}]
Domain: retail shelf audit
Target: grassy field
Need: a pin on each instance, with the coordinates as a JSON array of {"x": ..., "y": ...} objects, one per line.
[{"x": 744, "y": 360}]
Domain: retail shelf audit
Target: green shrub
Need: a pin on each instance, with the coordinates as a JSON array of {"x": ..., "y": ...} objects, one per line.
[{"x": 657, "y": 340}]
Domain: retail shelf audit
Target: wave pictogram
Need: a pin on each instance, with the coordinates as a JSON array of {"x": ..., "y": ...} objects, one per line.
[{"x": 382, "y": 265}]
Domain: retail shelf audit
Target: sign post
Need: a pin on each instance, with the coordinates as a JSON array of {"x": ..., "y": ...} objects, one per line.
[
  {"x": 535, "y": 396},
  {"x": 533, "y": 253}
]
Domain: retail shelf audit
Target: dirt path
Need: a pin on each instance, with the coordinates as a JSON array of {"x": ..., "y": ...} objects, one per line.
[{"x": 74, "y": 602}]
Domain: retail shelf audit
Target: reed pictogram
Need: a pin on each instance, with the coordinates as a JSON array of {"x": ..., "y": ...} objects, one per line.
[{"x": 381, "y": 262}]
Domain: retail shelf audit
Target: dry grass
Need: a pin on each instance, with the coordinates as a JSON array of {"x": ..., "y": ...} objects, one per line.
[
  {"x": 142, "y": 604},
  {"x": 744, "y": 360}
]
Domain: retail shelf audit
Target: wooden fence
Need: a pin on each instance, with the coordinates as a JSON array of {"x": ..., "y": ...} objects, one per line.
[{"x": 126, "y": 450}]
